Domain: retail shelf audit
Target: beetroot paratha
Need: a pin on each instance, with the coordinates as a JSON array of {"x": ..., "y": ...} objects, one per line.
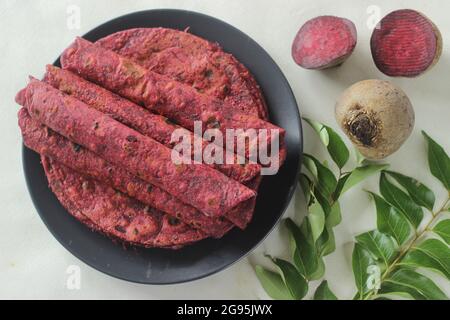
[
  {"x": 110, "y": 212},
  {"x": 191, "y": 60},
  {"x": 207, "y": 68},
  {"x": 51, "y": 144}
]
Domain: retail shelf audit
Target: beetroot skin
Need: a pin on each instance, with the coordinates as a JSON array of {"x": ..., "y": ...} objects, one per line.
[
  {"x": 405, "y": 44},
  {"x": 324, "y": 42}
]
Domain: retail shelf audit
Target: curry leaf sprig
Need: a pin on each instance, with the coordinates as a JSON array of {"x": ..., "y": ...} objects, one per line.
[
  {"x": 387, "y": 261},
  {"x": 314, "y": 238}
]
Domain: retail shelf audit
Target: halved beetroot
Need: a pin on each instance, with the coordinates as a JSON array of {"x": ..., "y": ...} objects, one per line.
[
  {"x": 406, "y": 44},
  {"x": 324, "y": 42}
]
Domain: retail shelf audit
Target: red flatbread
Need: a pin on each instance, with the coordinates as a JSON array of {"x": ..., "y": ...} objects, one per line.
[
  {"x": 162, "y": 95},
  {"x": 209, "y": 70},
  {"x": 108, "y": 211},
  {"x": 49, "y": 143},
  {"x": 152, "y": 125},
  {"x": 198, "y": 185},
  {"x": 195, "y": 61},
  {"x": 192, "y": 60}
]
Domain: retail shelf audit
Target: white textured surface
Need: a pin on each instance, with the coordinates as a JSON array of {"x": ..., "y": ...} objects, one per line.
[{"x": 33, "y": 264}]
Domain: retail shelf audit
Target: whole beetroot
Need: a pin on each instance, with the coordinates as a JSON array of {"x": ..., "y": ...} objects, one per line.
[
  {"x": 377, "y": 116},
  {"x": 324, "y": 42},
  {"x": 406, "y": 44}
]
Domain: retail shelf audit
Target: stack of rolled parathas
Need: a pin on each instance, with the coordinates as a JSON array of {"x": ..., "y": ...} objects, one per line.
[{"x": 103, "y": 125}]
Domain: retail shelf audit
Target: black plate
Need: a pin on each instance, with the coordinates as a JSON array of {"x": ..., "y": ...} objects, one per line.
[{"x": 159, "y": 266}]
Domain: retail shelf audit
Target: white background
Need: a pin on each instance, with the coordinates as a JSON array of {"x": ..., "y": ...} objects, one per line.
[{"x": 33, "y": 264}]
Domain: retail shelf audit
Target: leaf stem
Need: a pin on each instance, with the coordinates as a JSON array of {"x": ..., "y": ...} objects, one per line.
[
  {"x": 413, "y": 241},
  {"x": 343, "y": 173}
]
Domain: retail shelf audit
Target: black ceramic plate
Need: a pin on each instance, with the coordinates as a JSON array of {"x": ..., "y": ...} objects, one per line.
[{"x": 159, "y": 266}]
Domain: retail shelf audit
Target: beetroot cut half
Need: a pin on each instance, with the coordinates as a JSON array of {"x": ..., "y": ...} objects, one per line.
[
  {"x": 405, "y": 44},
  {"x": 324, "y": 42}
]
